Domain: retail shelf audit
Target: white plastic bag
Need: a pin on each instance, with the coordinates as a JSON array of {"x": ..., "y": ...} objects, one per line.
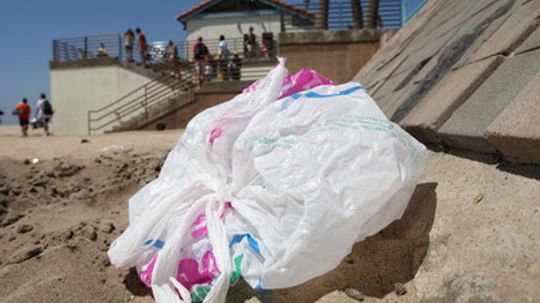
[{"x": 274, "y": 191}]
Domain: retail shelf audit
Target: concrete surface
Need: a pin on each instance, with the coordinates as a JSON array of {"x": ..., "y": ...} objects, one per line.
[
  {"x": 322, "y": 37},
  {"x": 426, "y": 118},
  {"x": 448, "y": 73},
  {"x": 337, "y": 55},
  {"x": 466, "y": 127},
  {"x": 532, "y": 42},
  {"x": 516, "y": 130},
  {"x": 512, "y": 32}
]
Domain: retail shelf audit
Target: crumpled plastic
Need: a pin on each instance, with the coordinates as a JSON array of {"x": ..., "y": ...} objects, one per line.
[{"x": 274, "y": 186}]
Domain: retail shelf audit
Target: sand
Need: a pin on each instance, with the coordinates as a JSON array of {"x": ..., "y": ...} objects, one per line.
[
  {"x": 37, "y": 146},
  {"x": 467, "y": 236}
]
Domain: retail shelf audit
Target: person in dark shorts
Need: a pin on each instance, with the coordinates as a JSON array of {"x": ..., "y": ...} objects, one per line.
[
  {"x": 22, "y": 110},
  {"x": 44, "y": 112}
]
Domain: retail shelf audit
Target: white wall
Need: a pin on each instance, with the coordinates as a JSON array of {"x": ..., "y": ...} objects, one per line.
[
  {"x": 232, "y": 27},
  {"x": 75, "y": 91}
]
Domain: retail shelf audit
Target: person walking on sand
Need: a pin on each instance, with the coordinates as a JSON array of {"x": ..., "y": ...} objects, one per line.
[
  {"x": 22, "y": 110},
  {"x": 129, "y": 41},
  {"x": 143, "y": 45},
  {"x": 44, "y": 112}
]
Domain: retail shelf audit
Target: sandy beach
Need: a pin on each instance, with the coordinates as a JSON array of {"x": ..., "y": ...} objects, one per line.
[{"x": 468, "y": 222}]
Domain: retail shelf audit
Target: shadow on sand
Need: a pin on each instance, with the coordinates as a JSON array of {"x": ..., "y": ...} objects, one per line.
[{"x": 375, "y": 264}]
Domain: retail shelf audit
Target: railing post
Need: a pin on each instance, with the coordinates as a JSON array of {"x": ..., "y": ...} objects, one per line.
[
  {"x": 85, "y": 55},
  {"x": 54, "y": 51},
  {"x": 119, "y": 48},
  {"x": 145, "y": 100},
  {"x": 282, "y": 21},
  {"x": 88, "y": 119}
]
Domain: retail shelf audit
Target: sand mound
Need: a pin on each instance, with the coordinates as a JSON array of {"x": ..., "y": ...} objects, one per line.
[{"x": 58, "y": 218}]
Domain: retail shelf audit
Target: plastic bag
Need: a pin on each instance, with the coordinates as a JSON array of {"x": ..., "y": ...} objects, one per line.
[{"x": 274, "y": 191}]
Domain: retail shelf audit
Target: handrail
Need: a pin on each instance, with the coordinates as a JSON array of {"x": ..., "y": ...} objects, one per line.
[
  {"x": 340, "y": 15},
  {"x": 143, "y": 98}
]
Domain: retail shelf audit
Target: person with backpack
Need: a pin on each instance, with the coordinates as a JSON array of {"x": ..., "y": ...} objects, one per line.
[
  {"x": 44, "y": 112},
  {"x": 200, "y": 54}
]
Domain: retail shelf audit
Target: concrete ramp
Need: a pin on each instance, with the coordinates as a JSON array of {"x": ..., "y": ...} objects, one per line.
[{"x": 465, "y": 74}]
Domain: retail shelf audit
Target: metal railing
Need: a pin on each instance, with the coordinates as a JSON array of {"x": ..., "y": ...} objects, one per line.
[
  {"x": 180, "y": 78},
  {"x": 87, "y": 47},
  {"x": 266, "y": 47},
  {"x": 143, "y": 99},
  {"x": 340, "y": 15}
]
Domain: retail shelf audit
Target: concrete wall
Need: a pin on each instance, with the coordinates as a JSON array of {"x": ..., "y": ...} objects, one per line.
[
  {"x": 232, "y": 26},
  {"x": 76, "y": 90},
  {"x": 465, "y": 75},
  {"x": 209, "y": 95},
  {"x": 337, "y": 55}
]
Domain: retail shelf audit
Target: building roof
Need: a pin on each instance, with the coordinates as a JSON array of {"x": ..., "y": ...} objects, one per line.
[{"x": 275, "y": 3}]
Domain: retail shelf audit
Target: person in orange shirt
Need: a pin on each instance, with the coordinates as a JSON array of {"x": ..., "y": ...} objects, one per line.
[{"x": 22, "y": 109}]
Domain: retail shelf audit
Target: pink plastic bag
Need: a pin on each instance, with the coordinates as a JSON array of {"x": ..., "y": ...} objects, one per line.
[{"x": 304, "y": 79}]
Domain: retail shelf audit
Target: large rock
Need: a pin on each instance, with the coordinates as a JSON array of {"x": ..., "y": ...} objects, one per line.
[
  {"x": 516, "y": 130},
  {"x": 467, "y": 126}
]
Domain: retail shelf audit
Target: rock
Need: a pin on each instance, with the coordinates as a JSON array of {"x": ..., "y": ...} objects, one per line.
[
  {"x": 69, "y": 234},
  {"x": 4, "y": 190},
  {"x": 478, "y": 198},
  {"x": 32, "y": 252},
  {"x": 400, "y": 289},
  {"x": 106, "y": 262},
  {"x": 354, "y": 294},
  {"x": 107, "y": 228},
  {"x": 24, "y": 228},
  {"x": 27, "y": 161},
  {"x": 10, "y": 220},
  {"x": 90, "y": 233},
  {"x": 25, "y": 254},
  {"x": 83, "y": 141}
]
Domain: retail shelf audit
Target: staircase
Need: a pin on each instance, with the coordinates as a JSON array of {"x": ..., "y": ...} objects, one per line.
[
  {"x": 155, "y": 112},
  {"x": 169, "y": 91},
  {"x": 171, "y": 87}
]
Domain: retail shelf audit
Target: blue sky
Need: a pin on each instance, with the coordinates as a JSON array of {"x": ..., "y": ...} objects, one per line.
[{"x": 27, "y": 28}]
